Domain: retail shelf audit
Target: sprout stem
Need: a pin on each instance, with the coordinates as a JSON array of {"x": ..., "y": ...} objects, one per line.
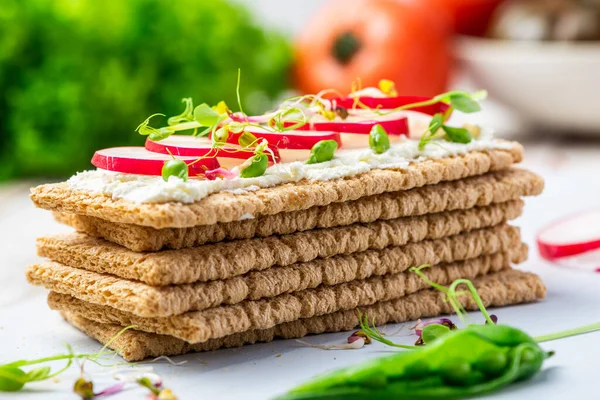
[{"x": 568, "y": 333}]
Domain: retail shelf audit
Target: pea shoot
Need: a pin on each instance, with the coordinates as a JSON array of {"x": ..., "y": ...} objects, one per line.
[
  {"x": 379, "y": 140},
  {"x": 452, "y": 363},
  {"x": 257, "y": 164},
  {"x": 322, "y": 151}
]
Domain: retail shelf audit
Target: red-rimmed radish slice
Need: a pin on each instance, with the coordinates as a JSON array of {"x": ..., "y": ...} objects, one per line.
[
  {"x": 183, "y": 145},
  {"x": 394, "y": 127},
  {"x": 571, "y": 236},
  {"x": 293, "y": 145},
  {"x": 138, "y": 160},
  {"x": 293, "y": 140},
  {"x": 393, "y": 102}
]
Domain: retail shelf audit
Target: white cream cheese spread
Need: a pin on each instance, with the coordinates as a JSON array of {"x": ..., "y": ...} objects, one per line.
[{"x": 347, "y": 163}]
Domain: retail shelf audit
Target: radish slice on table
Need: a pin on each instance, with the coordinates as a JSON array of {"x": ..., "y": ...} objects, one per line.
[
  {"x": 138, "y": 160},
  {"x": 293, "y": 145},
  {"x": 573, "y": 241},
  {"x": 393, "y": 102},
  {"x": 184, "y": 145}
]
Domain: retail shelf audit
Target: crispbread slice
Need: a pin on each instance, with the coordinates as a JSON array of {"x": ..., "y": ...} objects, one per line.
[
  {"x": 495, "y": 187},
  {"x": 149, "y": 301},
  {"x": 200, "y": 326},
  {"x": 499, "y": 289},
  {"x": 226, "y": 260},
  {"x": 227, "y": 206}
]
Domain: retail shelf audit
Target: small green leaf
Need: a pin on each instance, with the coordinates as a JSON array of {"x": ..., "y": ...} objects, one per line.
[
  {"x": 464, "y": 103},
  {"x": 322, "y": 151},
  {"x": 38, "y": 374},
  {"x": 247, "y": 139},
  {"x": 379, "y": 141},
  {"x": 206, "y": 116},
  {"x": 159, "y": 135},
  {"x": 457, "y": 135},
  {"x": 255, "y": 166},
  {"x": 12, "y": 379},
  {"x": 436, "y": 123},
  {"x": 433, "y": 331}
]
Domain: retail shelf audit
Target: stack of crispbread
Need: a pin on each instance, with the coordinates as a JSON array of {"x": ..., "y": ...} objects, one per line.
[{"x": 286, "y": 261}]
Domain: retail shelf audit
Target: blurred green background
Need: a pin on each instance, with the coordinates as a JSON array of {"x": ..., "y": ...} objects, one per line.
[{"x": 79, "y": 75}]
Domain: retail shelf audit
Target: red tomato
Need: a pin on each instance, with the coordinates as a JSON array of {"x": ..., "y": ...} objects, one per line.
[{"x": 406, "y": 41}]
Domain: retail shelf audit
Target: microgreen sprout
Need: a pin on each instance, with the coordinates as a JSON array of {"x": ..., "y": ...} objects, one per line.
[
  {"x": 257, "y": 164},
  {"x": 374, "y": 334},
  {"x": 379, "y": 140},
  {"x": 322, "y": 151},
  {"x": 13, "y": 378}
]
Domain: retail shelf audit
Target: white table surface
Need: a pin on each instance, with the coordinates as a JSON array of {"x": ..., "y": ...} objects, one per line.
[{"x": 28, "y": 329}]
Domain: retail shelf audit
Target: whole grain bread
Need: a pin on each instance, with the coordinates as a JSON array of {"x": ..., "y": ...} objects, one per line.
[
  {"x": 149, "y": 301},
  {"x": 226, "y": 260},
  {"x": 499, "y": 289},
  {"x": 494, "y": 187},
  {"x": 227, "y": 206}
]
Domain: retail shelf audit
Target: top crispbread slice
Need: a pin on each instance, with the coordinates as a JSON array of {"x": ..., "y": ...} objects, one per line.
[
  {"x": 227, "y": 206},
  {"x": 494, "y": 187}
]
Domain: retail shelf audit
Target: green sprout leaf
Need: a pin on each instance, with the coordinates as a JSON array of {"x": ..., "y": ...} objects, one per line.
[
  {"x": 464, "y": 103},
  {"x": 145, "y": 129},
  {"x": 255, "y": 166},
  {"x": 38, "y": 374},
  {"x": 436, "y": 123},
  {"x": 457, "y": 135},
  {"x": 322, "y": 151},
  {"x": 433, "y": 331},
  {"x": 160, "y": 134},
  {"x": 206, "y": 116},
  {"x": 379, "y": 141},
  {"x": 12, "y": 379},
  {"x": 247, "y": 139}
]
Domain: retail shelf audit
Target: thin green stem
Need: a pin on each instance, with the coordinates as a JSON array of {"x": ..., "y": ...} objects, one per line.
[
  {"x": 374, "y": 334},
  {"x": 568, "y": 333},
  {"x": 237, "y": 90},
  {"x": 24, "y": 363},
  {"x": 474, "y": 294}
]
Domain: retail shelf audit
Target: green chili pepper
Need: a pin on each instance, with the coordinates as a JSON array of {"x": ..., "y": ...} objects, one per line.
[
  {"x": 257, "y": 167},
  {"x": 176, "y": 168},
  {"x": 459, "y": 364},
  {"x": 379, "y": 140},
  {"x": 322, "y": 151}
]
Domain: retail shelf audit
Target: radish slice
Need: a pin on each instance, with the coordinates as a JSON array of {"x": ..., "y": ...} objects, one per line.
[
  {"x": 394, "y": 127},
  {"x": 394, "y": 102},
  {"x": 293, "y": 145},
  {"x": 570, "y": 236},
  {"x": 184, "y": 145},
  {"x": 572, "y": 241},
  {"x": 293, "y": 140},
  {"x": 138, "y": 160}
]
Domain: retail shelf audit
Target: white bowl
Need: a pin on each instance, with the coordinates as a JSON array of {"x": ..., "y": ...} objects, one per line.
[{"x": 551, "y": 84}]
